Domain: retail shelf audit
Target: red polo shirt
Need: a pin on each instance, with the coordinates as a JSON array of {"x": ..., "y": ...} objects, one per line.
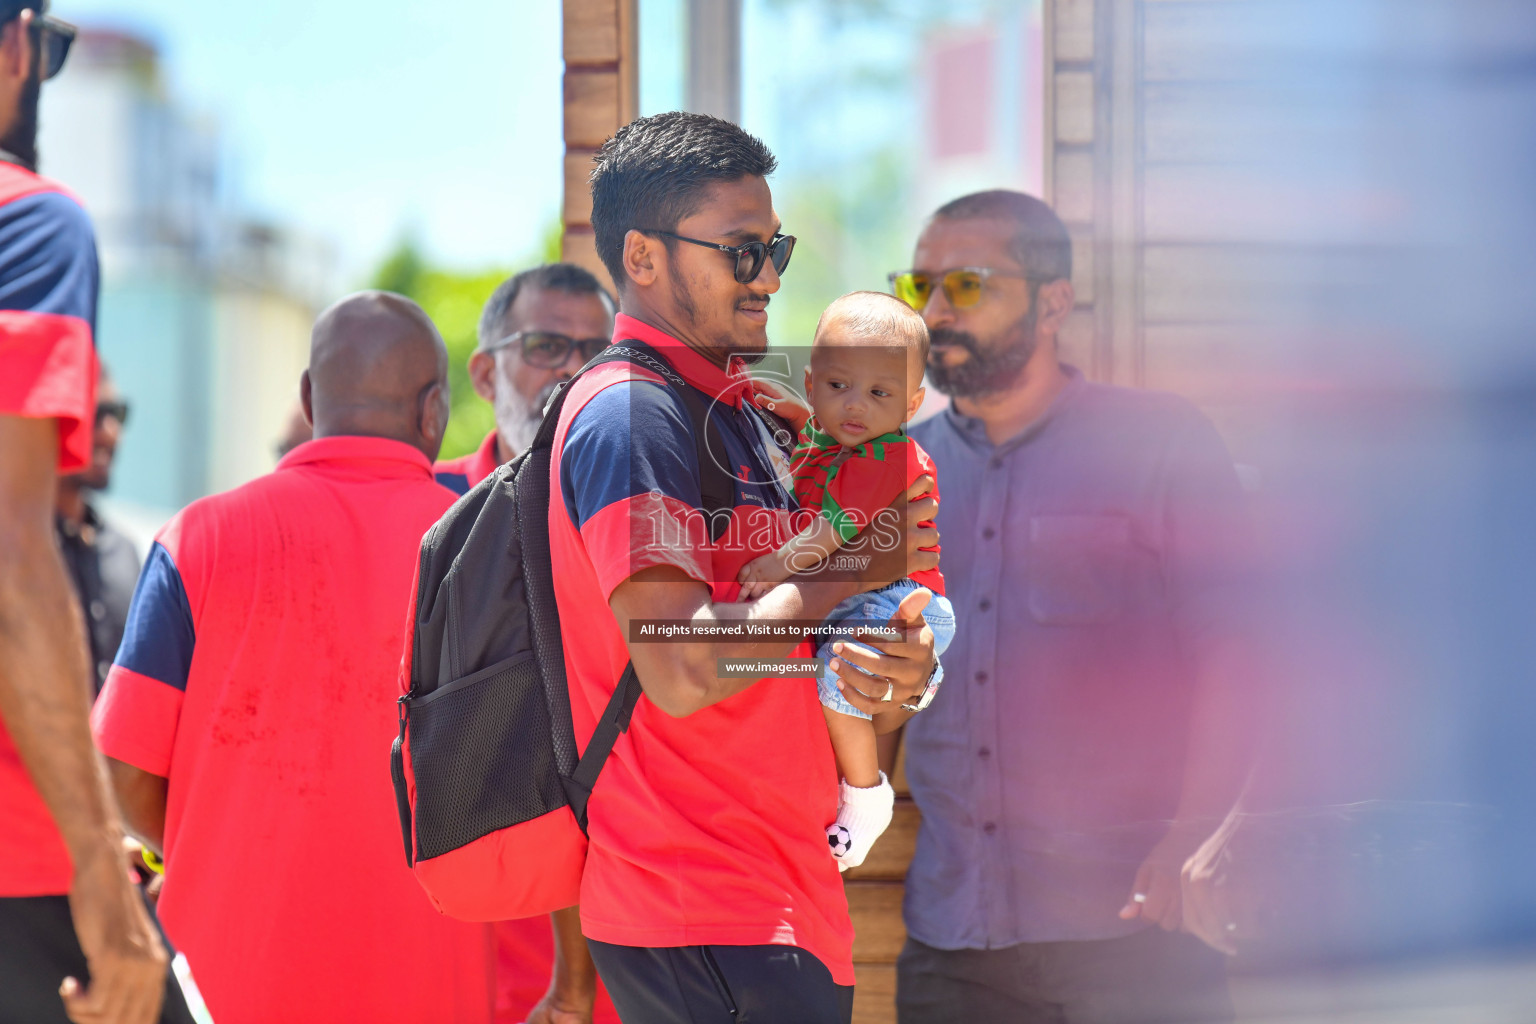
[
  {"x": 525, "y": 950},
  {"x": 462, "y": 473},
  {"x": 47, "y": 371},
  {"x": 258, "y": 674},
  {"x": 708, "y": 829}
]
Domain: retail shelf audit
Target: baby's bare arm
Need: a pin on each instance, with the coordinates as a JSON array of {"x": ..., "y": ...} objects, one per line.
[
  {"x": 801, "y": 553},
  {"x": 808, "y": 547}
]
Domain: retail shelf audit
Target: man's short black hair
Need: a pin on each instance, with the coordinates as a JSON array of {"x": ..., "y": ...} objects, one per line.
[
  {"x": 653, "y": 171},
  {"x": 1040, "y": 243},
  {"x": 559, "y": 277}
]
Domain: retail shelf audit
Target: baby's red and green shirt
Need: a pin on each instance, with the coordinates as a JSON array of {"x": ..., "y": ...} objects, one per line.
[{"x": 848, "y": 486}]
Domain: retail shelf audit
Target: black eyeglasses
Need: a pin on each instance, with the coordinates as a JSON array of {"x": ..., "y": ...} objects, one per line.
[
  {"x": 547, "y": 350},
  {"x": 112, "y": 411},
  {"x": 749, "y": 255},
  {"x": 54, "y": 38}
]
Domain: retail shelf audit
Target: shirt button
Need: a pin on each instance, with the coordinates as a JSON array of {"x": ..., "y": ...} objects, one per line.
[
  {"x": 990, "y": 827},
  {"x": 996, "y": 464},
  {"x": 981, "y": 677},
  {"x": 986, "y": 603},
  {"x": 984, "y": 752},
  {"x": 98, "y": 610},
  {"x": 988, "y": 533}
]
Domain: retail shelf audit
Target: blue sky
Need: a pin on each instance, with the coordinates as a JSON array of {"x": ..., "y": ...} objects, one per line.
[{"x": 357, "y": 121}]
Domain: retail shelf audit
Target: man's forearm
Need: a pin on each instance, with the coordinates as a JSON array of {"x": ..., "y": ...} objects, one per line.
[
  {"x": 799, "y": 600},
  {"x": 682, "y": 678},
  {"x": 804, "y": 599},
  {"x": 142, "y": 797},
  {"x": 574, "y": 981},
  {"x": 44, "y": 693}
]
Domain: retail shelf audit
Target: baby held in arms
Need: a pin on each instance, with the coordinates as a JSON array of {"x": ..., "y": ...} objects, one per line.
[{"x": 853, "y": 460}]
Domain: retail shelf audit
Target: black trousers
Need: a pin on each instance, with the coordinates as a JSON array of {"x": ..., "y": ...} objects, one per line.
[
  {"x": 724, "y": 984},
  {"x": 38, "y": 950},
  {"x": 1151, "y": 977}
]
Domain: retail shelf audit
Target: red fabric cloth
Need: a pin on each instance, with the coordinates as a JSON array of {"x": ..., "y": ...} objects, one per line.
[
  {"x": 47, "y": 371},
  {"x": 706, "y": 829},
  {"x": 258, "y": 673},
  {"x": 475, "y": 466}
]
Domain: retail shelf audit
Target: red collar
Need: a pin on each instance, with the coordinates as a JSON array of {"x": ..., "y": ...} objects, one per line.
[
  {"x": 715, "y": 381},
  {"x": 17, "y": 181},
  {"x": 486, "y": 458},
  {"x": 395, "y": 458}
]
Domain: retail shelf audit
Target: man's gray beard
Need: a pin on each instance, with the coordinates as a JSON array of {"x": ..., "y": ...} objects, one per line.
[
  {"x": 985, "y": 373},
  {"x": 517, "y": 419}
]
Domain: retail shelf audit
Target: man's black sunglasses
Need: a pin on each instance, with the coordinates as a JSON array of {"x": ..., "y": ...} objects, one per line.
[
  {"x": 749, "y": 256},
  {"x": 54, "y": 38},
  {"x": 547, "y": 350},
  {"x": 112, "y": 410}
]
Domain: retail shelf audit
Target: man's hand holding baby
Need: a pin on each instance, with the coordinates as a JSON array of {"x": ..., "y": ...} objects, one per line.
[{"x": 904, "y": 665}]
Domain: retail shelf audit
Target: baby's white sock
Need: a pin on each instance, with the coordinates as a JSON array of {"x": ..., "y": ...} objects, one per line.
[{"x": 862, "y": 815}]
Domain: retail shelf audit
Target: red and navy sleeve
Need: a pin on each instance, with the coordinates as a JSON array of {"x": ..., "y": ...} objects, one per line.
[
  {"x": 136, "y": 717},
  {"x": 629, "y": 476},
  {"x": 48, "y": 287}
]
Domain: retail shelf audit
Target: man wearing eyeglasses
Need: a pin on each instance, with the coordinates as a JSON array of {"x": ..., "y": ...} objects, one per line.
[
  {"x": 1091, "y": 733},
  {"x": 102, "y": 563},
  {"x": 537, "y": 329},
  {"x": 74, "y": 935}
]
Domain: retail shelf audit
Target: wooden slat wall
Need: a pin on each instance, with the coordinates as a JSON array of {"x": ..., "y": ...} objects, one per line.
[
  {"x": 1151, "y": 137},
  {"x": 874, "y": 901},
  {"x": 601, "y": 95}
]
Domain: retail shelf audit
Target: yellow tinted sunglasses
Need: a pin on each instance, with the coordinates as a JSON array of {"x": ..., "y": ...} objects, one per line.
[{"x": 962, "y": 285}]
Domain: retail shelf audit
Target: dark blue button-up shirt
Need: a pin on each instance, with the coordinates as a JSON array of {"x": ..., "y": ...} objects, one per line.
[{"x": 1091, "y": 561}]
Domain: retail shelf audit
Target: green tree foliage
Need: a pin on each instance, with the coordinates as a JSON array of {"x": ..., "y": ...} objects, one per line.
[{"x": 453, "y": 299}]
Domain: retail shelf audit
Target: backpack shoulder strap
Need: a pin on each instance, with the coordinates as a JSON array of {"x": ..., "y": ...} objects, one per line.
[
  {"x": 621, "y": 708},
  {"x": 717, "y": 488}
]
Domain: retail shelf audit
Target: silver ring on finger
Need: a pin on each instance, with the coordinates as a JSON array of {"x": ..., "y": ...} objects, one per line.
[{"x": 890, "y": 690}]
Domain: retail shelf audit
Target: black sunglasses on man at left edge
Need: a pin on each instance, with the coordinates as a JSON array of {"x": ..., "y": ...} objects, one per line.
[{"x": 53, "y": 38}]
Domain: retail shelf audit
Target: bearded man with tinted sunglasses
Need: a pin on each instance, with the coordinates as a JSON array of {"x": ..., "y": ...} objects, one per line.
[{"x": 1095, "y": 727}]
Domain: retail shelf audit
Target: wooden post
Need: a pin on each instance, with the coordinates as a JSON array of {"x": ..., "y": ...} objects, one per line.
[
  {"x": 601, "y": 95},
  {"x": 874, "y": 902}
]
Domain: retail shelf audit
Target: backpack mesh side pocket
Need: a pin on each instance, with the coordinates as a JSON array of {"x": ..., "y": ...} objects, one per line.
[{"x": 481, "y": 756}]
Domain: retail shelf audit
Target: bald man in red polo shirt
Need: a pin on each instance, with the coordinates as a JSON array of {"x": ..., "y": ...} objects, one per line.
[
  {"x": 537, "y": 329},
  {"x": 249, "y": 706}
]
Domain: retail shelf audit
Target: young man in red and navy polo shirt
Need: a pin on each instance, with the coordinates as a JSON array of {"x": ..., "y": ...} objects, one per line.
[
  {"x": 249, "y": 705},
  {"x": 537, "y": 329},
  {"x": 67, "y": 909},
  {"x": 709, "y": 891}
]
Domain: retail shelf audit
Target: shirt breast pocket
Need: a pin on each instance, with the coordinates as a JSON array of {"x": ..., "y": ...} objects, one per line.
[{"x": 1078, "y": 568}]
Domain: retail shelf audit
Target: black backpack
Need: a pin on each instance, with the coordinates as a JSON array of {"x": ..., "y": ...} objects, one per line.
[{"x": 491, "y": 794}]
